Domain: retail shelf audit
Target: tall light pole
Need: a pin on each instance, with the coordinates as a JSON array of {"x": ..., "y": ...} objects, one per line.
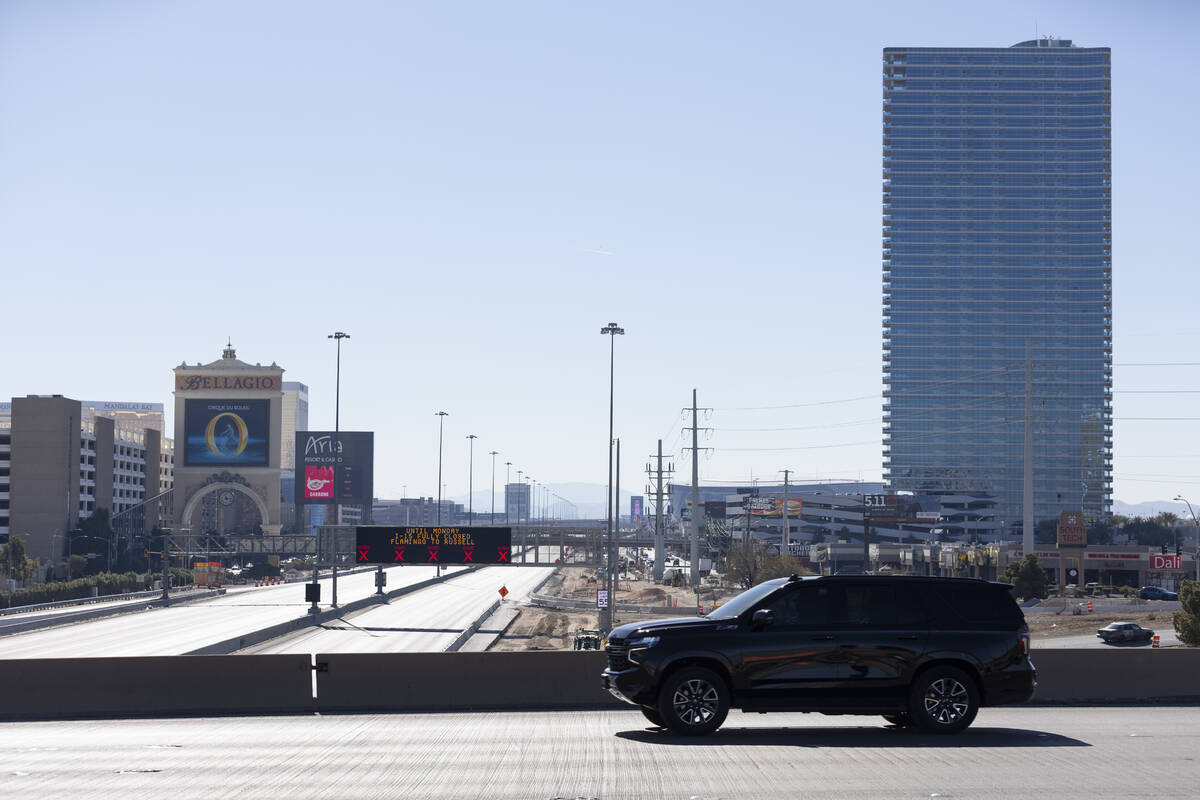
[
  {"x": 441, "y": 415},
  {"x": 1196, "y": 555},
  {"x": 337, "y": 336},
  {"x": 471, "y": 479},
  {"x": 507, "y": 480},
  {"x": 492, "y": 516},
  {"x": 606, "y": 615}
]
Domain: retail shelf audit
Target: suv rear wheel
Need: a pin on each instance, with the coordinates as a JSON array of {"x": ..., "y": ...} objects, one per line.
[
  {"x": 943, "y": 700},
  {"x": 693, "y": 701}
]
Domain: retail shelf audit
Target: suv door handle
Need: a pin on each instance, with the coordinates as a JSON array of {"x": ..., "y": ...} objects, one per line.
[{"x": 826, "y": 638}]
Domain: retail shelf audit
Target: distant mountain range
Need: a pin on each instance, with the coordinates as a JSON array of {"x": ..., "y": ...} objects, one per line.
[{"x": 1152, "y": 508}]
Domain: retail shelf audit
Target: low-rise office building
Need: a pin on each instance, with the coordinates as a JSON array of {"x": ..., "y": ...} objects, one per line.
[{"x": 59, "y": 464}]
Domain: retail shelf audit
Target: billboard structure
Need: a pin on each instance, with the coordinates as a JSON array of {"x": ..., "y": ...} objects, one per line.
[
  {"x": 226, "y": 433},
  {"x": 772, "y": 506},
  {"x": 335, "y": 468},
  {"x": 904, "y": 509}
]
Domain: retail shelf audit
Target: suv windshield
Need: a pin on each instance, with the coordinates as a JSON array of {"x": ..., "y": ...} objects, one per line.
[{"x": 742, "y": 603}]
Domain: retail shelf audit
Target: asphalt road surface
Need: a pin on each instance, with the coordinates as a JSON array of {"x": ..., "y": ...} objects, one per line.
[
  {"x": 424, "y": 621},
  {"x": 183, "y": 628},
  {"x": 1024, "y": 752},
  {"x": 1166, "y": 638}
]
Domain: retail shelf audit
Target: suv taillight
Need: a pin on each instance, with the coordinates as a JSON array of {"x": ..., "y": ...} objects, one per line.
[{"x": 1023, "y": 633}]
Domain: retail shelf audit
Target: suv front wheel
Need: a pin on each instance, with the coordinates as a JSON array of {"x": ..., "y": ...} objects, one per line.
[
  {"x": 943, "y": 700},
  {"x": 693, "y": 701}
]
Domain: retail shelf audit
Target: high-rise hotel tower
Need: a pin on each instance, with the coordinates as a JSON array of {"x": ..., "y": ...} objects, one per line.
[{"x": 997, "y": 236}]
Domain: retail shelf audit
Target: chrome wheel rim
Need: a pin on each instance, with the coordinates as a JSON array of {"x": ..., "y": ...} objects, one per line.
[
  {"x": 946, "y": 701},
  {"x": 695, "y": 702}
]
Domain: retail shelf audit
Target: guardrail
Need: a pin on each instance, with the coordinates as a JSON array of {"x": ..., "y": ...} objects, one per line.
[
  {"x": 104, "y": 598},
  {"x": 371, "y": 682},
  {"x": 554, "y": 601}
]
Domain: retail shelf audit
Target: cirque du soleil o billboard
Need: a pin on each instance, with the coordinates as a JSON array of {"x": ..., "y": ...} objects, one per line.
[{"x": 226, "y": 433}]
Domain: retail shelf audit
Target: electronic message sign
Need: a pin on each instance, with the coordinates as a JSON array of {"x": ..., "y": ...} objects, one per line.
[
  {"x": 451, "y": 544},
  {"x": 334, "y": 467},
  {"x": 226, "y": 433}
]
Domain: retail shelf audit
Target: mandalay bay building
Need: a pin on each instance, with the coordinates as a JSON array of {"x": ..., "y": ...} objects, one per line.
[{"x": 997, "y": 241}]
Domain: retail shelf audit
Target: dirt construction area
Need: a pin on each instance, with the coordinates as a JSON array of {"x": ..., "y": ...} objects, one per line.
[{"x": 537, "y": 628}]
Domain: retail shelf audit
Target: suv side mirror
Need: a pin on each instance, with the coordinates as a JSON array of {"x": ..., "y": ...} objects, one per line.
[{"x": 763, "y": 618}]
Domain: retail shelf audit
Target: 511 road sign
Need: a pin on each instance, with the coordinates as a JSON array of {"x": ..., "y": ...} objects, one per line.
[{"x": 387, "y": 544}]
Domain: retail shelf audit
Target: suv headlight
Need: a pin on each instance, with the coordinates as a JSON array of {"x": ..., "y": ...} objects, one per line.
[{"x": 641, "y": 643}]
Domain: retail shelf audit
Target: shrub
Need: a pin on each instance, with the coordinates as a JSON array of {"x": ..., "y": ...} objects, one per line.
[{"x": 1187, "y": 620}]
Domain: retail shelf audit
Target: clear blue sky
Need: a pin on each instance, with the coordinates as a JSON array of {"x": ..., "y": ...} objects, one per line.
[{"x": 472, "y": 190}]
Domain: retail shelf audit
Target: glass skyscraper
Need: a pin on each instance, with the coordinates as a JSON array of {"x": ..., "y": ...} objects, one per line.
[{"x": 997, "y": 235}]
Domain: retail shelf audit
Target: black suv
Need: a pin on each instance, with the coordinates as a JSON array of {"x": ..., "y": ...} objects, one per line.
[{"x": 921, "y": 652}]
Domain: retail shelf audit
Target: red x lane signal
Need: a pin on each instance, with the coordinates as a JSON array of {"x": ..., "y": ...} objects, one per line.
[{"x": 410, "y": 545}]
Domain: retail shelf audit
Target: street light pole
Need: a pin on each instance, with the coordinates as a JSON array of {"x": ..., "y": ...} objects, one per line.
[
  {"x": 507, "y": 481},
  {"x": 612, "y": 330},
  {"x": 441, "y": 415},
  {"x": 337, "y": 444},
  {"x": 1196, "y": 555},
  {"x": 492, "y": 517},
  {"x": 471, "y": 479}
]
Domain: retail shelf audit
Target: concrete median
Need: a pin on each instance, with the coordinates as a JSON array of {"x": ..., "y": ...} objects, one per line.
[
  {"x": 49, "y": 688},
  {"x": 1117, "y": 675},
  {"x": 456, "y": 681}
]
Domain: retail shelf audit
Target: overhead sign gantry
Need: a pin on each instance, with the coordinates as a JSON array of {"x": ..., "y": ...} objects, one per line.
[{"x": 452, "y": 544}]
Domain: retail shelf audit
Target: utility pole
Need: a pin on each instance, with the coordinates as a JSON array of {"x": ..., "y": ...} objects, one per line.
[
  {"x": 786, "y": 539},
  {"x": 656, "y": 491},
  {"x": 866, "y": 535},
  {"x": 471, "y": 479},
  {"x": 697, "y": 509},
  {"x": 1027, "y": 520}
]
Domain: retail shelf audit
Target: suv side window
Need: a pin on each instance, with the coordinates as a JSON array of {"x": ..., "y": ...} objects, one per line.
[
  {"x": 806, "y": 606},
  {"x": 974, "y": 606},
  {"x": 883, "y": 606}
]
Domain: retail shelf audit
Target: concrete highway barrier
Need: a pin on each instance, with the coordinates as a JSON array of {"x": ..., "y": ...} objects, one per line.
[
  {"x": 456, "y": 681},
  {"x": 154, "y": 686},
  {"x": 365, "y": 682},
  {"x": 1117, "y": 675}
]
